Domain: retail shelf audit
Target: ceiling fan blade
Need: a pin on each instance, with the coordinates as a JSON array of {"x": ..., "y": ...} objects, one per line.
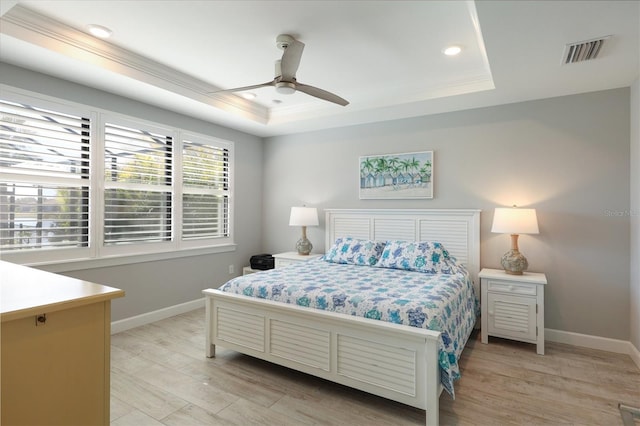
[
  {"x": 321, "y": 94},
  {"x": 242, "y": 89},
  {"x": 291, "y": 60}
]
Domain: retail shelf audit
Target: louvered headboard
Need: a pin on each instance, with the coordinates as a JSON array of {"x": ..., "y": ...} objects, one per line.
[{"x": 457, "y": 229}]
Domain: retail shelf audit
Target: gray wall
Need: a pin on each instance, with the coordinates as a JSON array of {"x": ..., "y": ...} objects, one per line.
[
  {"x": 154, "y": 285},
  {"x": 568, "y": 157},
  {"x": 635, "y": 215}
]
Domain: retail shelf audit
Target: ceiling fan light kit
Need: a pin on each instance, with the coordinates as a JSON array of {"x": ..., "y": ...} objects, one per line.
[
  {"x": 285, "y": 88},
  {"x": 285, "y": 81}
]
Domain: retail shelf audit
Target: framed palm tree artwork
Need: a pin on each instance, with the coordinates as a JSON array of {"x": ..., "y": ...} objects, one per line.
[{"x": 397, "y": 176}]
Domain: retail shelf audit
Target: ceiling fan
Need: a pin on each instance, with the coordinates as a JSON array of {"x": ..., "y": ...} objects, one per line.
[{"x": 285, "y": 80}]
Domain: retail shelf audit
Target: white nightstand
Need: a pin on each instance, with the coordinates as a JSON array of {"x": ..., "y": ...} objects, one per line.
[
  {"x": 284, "y": 259},
  {"x": 513, "y": 306},
  {"x": 246, "y": 270}
]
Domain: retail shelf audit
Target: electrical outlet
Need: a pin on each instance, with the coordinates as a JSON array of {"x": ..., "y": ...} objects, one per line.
[{"x": 232, "y": 269}]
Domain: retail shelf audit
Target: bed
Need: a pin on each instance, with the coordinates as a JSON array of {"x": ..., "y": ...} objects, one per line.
[{"x": 395, "y": 361}]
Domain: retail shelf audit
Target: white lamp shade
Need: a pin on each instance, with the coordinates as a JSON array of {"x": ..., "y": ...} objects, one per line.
[
  {"x": 515, "y": 221},
  {"x": 303, "y": 216}
]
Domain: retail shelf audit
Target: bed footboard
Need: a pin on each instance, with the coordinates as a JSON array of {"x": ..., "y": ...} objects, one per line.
[{"x": 389, "y": 360}]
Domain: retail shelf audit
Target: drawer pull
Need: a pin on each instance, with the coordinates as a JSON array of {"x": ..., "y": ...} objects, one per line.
[{"x": 41, "y": 319}]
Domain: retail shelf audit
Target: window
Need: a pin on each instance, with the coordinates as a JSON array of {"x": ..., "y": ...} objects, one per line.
[
  {"x": 79, "y": 184},
  {"x": 44, "y": 189},
  {"x": 206, "y": 189},
  {"x": 137, "y": 186}
]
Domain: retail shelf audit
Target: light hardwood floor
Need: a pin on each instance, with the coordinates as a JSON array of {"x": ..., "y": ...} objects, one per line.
[{"x": 160, "y": 376}]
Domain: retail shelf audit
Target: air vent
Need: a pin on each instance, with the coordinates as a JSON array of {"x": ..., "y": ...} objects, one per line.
[{"x": 583, "y": 50}]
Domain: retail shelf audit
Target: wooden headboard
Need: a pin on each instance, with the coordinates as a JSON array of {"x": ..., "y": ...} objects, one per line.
[{"x": 457, "y": 229}]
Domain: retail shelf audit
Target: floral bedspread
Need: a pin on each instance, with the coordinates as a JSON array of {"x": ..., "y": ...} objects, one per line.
[{"x": 441, "y": 302}]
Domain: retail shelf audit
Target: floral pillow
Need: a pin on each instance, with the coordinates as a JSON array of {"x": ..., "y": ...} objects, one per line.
[
  {"x": 422, "y": 256},
  {"x": 355, "y": 252}
]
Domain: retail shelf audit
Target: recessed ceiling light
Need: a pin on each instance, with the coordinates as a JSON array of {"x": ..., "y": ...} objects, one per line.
[
  {"x": 249, "y": 95},
  {"x": 99, "y": 31},
  {"x": 452, "y": 50}
]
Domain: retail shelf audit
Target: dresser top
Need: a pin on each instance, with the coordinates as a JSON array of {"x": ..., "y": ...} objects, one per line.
[{"x": 26, "y": 291}]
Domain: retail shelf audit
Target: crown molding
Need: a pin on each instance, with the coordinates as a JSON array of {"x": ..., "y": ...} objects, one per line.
[
  {"x": 6, "y": 5},
  {"x": 32, "y": 27}
]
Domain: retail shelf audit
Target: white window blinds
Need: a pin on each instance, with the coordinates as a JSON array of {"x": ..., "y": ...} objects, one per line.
[
  {"x": 44, "y": 178},
  {"x": 80, "y": 184},
  {"x": 205, "y": 190},
  {"x": 138, "y": 185}
]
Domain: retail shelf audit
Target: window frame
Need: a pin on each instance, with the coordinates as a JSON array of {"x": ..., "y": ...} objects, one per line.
[
  {"x": 178, "y": 204},
  {"x": 130, "y": 249},
  {"x": 97, "y": 254}
]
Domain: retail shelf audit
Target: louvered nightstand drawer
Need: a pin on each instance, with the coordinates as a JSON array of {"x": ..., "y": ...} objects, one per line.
[{"x": 511, "y": 288}]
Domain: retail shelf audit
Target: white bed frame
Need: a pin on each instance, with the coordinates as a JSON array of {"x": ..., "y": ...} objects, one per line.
[{"x": 389, "y": 360}]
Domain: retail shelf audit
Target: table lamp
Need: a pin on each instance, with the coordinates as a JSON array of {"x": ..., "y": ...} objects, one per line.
[
  {"x": 514, "y": 221},
  {"x": 303, "y": 216}
]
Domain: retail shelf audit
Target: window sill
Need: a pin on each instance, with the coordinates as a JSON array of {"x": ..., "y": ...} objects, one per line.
[{"x": 80, "y": 264}]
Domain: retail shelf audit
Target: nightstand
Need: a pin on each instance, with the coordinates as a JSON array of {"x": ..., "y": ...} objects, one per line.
[
  {"x": 284, "y": 259},
  {"x": 246, "y": 270},
  {"x": 513, "y": 306}
]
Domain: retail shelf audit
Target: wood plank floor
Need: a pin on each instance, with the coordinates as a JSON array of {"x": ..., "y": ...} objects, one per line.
[{"x": 160, "y": 376}]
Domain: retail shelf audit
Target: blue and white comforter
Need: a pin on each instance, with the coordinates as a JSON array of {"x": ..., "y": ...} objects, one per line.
[{"x": 440, "y": 302}]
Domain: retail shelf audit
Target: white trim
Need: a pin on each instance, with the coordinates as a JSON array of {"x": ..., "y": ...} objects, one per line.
[
  {"x": 594, "y": 342},
  {"x": 6, "y": 5},
  {"x": 77, "y": 264},
  {"x": 97, "y": 255},
  {"x": 634, "y": 353},
  {"x": 153, "y": 316},
  {"x": 35, "y": 28}
]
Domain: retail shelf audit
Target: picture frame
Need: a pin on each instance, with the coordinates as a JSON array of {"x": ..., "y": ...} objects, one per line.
[{"x": 407, "y": 175}]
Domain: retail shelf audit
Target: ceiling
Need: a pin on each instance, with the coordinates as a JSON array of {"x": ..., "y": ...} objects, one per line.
[{"x": 384, "y": 57}]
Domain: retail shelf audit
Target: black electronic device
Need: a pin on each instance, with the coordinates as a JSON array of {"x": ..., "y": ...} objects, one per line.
[{"x": 262, "y": 261}]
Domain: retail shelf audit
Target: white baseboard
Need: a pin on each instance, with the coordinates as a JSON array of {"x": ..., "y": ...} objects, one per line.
[
  {"x": 593, "y": 342},
  {"x": 635, "y": 354},
  {"x": 559, "y": 336},
  {"x": 160, "y": 314}
]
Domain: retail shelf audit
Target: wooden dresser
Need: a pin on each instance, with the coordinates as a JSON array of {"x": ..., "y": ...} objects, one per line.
[{"x": 55, "y": 348}]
